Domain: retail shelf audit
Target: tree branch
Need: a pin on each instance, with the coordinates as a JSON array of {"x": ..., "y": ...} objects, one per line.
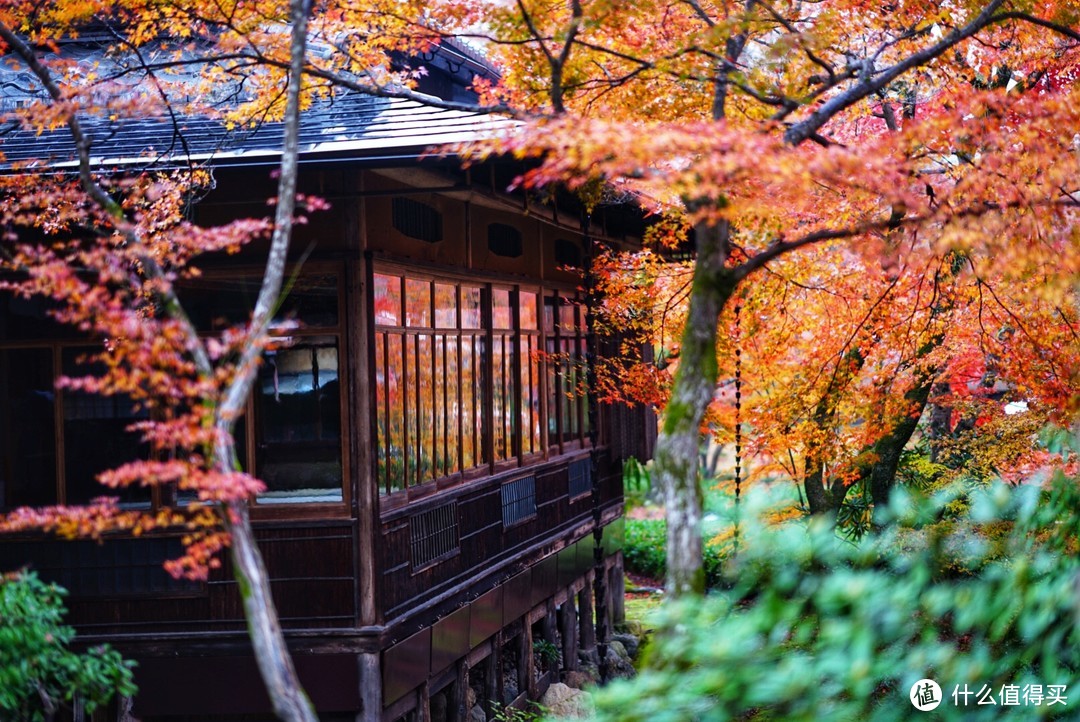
[{"x": 801, "y": 131}]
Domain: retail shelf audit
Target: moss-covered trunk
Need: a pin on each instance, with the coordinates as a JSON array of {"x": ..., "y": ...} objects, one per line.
[{"x": 676, "y": 459}]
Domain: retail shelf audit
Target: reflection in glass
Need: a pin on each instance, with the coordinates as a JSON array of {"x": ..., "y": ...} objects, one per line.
[
  {"x": 530, "y": 394},
  {"x": 390, "y": 383},
  {"x": 298, "y": 412},
  {"x": 387, "y": 300},
  {"x": 429, "y": 386},
  {"x": 527, "y": 304},
  {"x": 470, "y": 307},
  {"x": 501, "y": 315},
  {"x": 417, "y": 303},
  {"x": 445, "y": 306}
]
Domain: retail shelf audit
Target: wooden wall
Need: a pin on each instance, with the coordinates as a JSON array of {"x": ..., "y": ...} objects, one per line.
[
  {"x": 486, "y": 543},
  {"x": 120, "y": 587}
]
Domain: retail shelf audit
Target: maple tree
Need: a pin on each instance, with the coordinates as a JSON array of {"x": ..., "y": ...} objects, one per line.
[
  {"x": 779, "y": 127},
  {"x": 841, "y": 362},
  {"x": 109, "y": 247},
  {"x": 776, "y": 128}
]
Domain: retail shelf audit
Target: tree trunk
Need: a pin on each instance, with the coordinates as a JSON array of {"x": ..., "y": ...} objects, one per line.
[
  {"x": 676, "y": 460},
  {"x": 890, "y": 446},
  {"x": 286, "y": 694},
  {"x": 822, "y": 497},
  {"x": 818, "y": 497}
]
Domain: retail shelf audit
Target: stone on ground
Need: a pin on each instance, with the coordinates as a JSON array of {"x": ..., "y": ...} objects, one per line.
[{"x": 565, "y": 702}]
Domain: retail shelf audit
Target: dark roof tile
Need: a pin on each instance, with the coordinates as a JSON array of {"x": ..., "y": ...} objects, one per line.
[{"x": 353, "y": 125}]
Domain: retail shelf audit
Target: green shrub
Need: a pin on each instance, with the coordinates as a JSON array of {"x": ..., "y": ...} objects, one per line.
[
  {"x": 39, "y": 675},
  {"x": 645, "y": 551},
  {"x": 811, "y": 627}
]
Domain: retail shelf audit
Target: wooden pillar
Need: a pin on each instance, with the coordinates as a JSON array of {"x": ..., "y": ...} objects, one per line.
[
  {"x": 423, "y": 707},
  {"x": 568, "y": 627},
  {"x": 364, "y": 491},
  {"x": 528, "y": 659},
  {"x": 547, "y": 624},
  {"x": 618, "y": 592},
  {"x": 370, "y": 688},
  {"x": 493, "y": 683},
  {"x": 455, "y": 704},
  {"x": 586, "y": 622}
]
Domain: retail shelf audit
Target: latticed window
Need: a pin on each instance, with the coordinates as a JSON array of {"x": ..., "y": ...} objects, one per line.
[
  {"x": 564, "y": 327},
  {"x": 459, "y": 378},
  {"x": 430, "y": 352}
]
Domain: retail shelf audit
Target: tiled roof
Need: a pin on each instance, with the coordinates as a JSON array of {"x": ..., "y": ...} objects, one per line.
[{"x": 352, "y": 125}]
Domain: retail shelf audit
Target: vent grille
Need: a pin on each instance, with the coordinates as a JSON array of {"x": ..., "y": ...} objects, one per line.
[
  {"x": 567, "y": 253},
  {"x": 580, "y": 477},
  {"x": 433, "y": 534},
  {"x": 504, "y": 240},
  {"x": 417, "y": 220},
  {"x": 518, "y": 500}
]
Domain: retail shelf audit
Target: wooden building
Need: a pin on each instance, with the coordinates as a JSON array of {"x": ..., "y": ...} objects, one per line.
[{"x": 442, "y": 491}]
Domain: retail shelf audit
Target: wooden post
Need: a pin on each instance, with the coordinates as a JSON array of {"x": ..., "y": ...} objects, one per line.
[
  {"x": 528, "y": 661},
  {"x": 547, "y": 624},
  {"x": 361, "y": 348},
  {"x": 455, "y": 704},
  {"x": 493, "y": 684},
  {"x": 585, "y": 619},
  {"x": 370, "y": 688},
  {"x": 568, "y": 627},
  {"x": 618, "y": 592},
  {"x": 423, "y": 709}
]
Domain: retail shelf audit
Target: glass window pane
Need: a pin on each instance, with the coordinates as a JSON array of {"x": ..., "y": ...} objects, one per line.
[
  {"x": 392, "y": 431},
  {"x": 471, "y": 393},
  {"x": 425, "y": 410},
  {"x": 567, "y": 318},
  {"x": 96, "y": 439},
  {"x": 409, "y": 401},
  {"x": 500, "y": 309},
  {"x": 445, "y": 305},
  {"x": 530, "y": 395},
  {"x": 527, "y": 303},
  {"x": 554, "y": 398},
  {"x": 470, "y": 307},
  {"x": 298, "y": 410},
  {"x": 505, "y": 424},
  {"x": 27, "y": 430},
  {"x": 438, "y": 393},
  {"x": 549, "y": 314},
  {"x": 417, "y": 303},
  {"x": 387, "y": 300}
]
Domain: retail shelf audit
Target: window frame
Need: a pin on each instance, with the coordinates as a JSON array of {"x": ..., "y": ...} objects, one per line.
[
  {"x": 158, "y": 495},
  {"x": 249, "y": 416},
  {"x": 548, "y": 445}
]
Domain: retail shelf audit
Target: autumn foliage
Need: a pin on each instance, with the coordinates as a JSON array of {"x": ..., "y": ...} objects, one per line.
[{"x": 886, "y": 190}]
